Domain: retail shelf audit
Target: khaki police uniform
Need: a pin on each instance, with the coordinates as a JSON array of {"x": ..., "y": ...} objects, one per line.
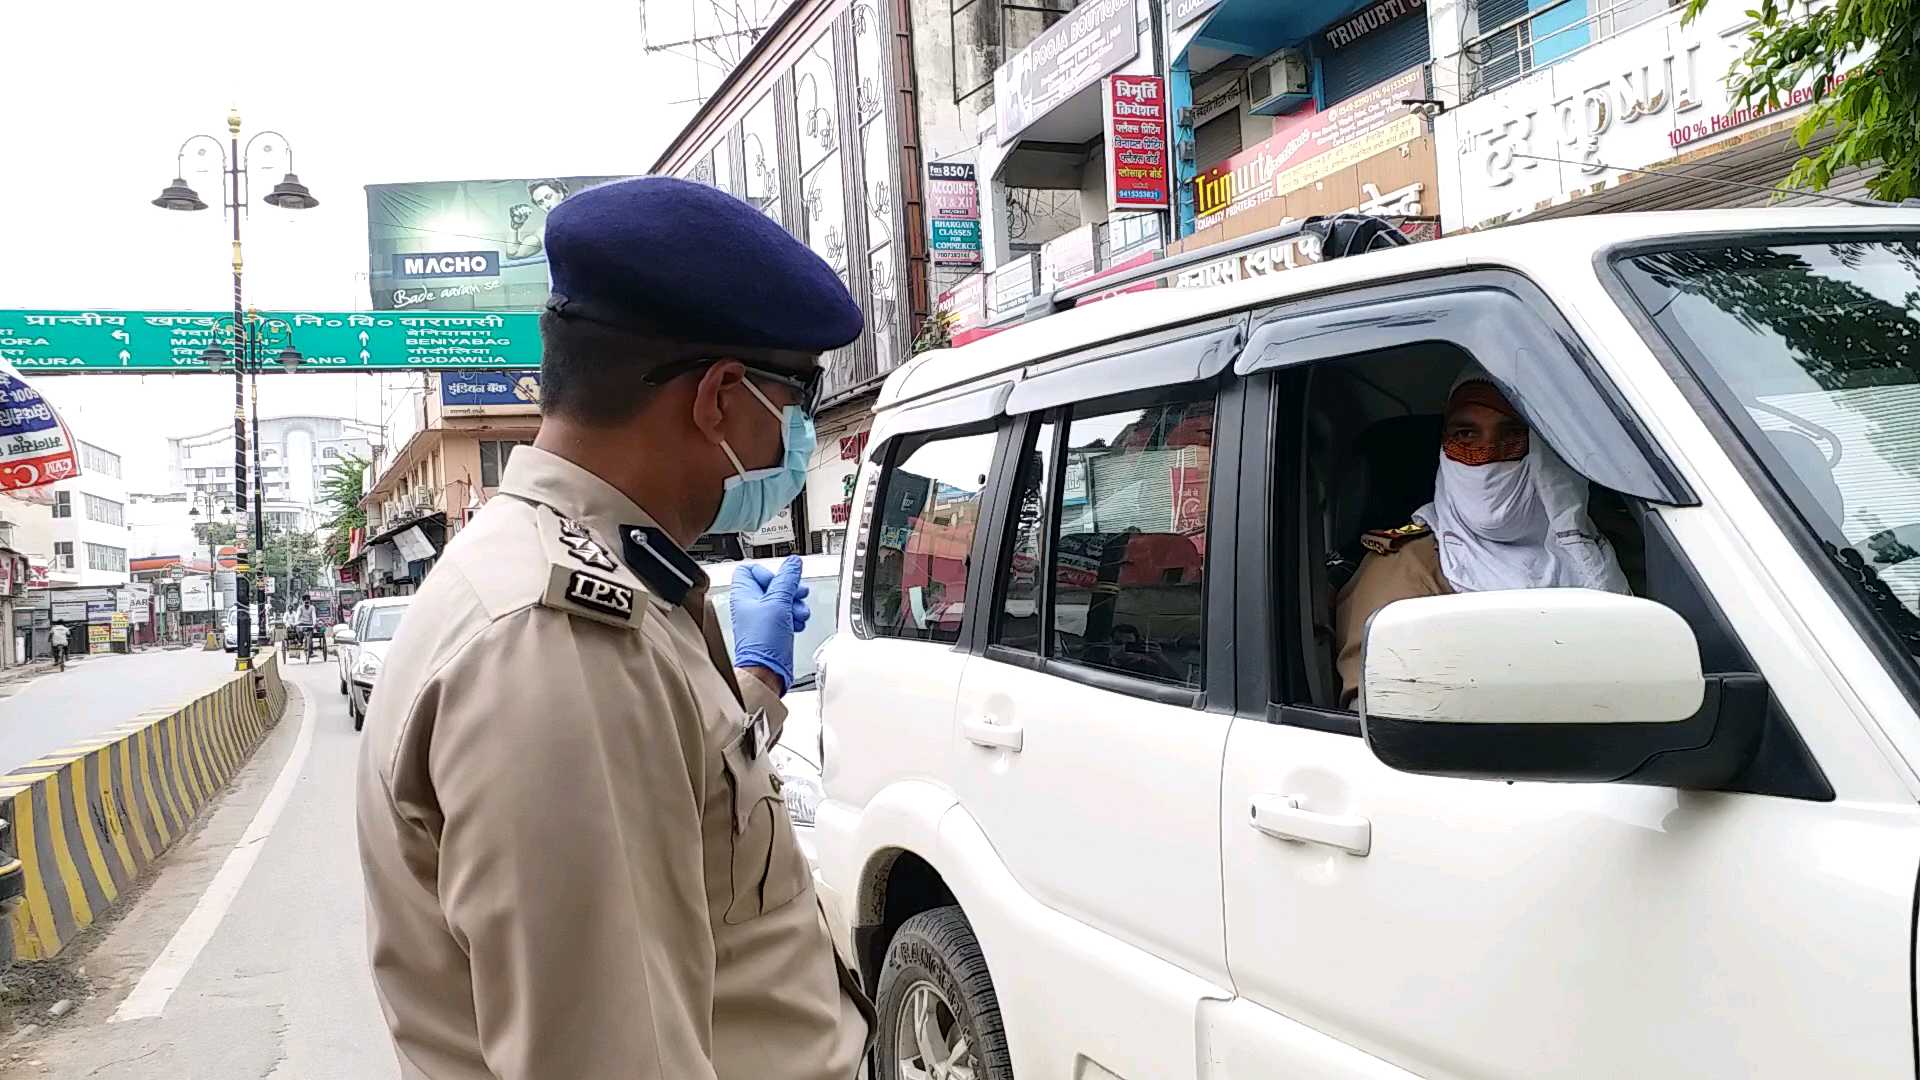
[
  {"x": 1401, "y": 563},
  {"x": 578, "y": 860}
]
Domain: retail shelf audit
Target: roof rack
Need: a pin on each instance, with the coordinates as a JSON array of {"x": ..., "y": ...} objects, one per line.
[{"x": 1336, "y": 236}]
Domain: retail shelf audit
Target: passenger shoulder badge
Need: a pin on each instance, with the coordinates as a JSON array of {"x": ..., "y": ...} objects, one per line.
[{"x": 1388, "y": 541}]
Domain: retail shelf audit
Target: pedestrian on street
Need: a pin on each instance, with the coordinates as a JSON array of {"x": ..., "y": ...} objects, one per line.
[{"x": 577, "y": 857}]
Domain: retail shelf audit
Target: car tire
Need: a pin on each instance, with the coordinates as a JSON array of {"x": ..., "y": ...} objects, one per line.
[
  {"x": 359, "y": 714},
  {"x": 343, "y": 688},
  {"x": 935, "y": 984}
]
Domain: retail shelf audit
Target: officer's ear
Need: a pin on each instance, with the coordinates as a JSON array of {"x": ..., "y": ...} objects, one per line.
[{"x": 711, "y": 396}]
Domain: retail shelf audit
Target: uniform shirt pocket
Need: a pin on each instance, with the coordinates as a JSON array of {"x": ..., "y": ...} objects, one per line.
[{"x": 768, "y": 869}]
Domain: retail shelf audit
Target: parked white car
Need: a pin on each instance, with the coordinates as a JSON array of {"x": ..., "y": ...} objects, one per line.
[
  {"x": 369, "y": 637},
  {"x": 1093, "y": 807},
  {"x": 343, "y": 635},
  {"x": 797, "y": 755}
]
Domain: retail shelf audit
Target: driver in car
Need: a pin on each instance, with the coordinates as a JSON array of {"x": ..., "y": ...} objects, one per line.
[{"x": 1507, "y": 513}]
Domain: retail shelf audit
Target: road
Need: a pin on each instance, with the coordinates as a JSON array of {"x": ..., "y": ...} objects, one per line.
[
  {"x": 280, "y": 989},
  {"x": 99, "y": 692}
]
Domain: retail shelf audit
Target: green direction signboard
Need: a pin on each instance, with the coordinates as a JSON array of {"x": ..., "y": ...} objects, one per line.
[{"x": 146, "y": 342}]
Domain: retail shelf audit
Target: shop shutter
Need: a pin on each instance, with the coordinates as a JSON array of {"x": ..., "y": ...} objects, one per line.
[
  {"x": 1217, "y": 140},
  {"x": 1375, "y": 58}
]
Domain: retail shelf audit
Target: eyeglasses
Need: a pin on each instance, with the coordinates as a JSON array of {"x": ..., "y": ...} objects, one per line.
[{"x": 807, "y": 386}]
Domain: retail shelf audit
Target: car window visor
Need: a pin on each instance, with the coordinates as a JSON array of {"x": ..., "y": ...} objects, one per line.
[
  {"x": 957, "y": 410},
  {"x": 1200, "y": 356}
]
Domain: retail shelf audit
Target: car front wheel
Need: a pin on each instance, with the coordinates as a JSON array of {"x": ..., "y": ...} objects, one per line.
[{"x": 939, "y": 1017}]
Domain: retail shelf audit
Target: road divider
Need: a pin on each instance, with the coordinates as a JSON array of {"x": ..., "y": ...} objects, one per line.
[{"x": 89, "y": 819}]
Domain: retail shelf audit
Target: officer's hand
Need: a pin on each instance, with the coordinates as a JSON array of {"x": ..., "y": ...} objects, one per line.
[{"x": 768, "y": 608}]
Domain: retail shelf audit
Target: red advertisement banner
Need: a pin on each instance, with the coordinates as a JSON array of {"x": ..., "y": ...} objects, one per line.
[{"x": 1136, "y": 133}]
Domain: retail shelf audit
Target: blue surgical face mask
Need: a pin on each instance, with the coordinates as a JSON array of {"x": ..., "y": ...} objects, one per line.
[{"x": 756, "y": 496}]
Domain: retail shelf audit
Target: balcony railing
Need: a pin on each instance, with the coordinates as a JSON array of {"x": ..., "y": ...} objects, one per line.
[{"x": 1516, "y": 47}]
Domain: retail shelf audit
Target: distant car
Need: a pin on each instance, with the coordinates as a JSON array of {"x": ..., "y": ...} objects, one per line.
[
  {"x": 342, "y": 640},
  {"x": 797, "y": 755},
  {"x": 230, "y": 635},
  {"x": 369, "y": 638}
]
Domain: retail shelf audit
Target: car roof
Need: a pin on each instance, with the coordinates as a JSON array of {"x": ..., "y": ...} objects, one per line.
[
  {"x": 811, "y": 567},
  {"x": 1522, "y": 246},
  {"x": 384, "y": 601}
]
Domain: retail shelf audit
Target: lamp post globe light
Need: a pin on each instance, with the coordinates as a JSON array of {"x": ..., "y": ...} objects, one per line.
[{"x": 251, "y": 336}]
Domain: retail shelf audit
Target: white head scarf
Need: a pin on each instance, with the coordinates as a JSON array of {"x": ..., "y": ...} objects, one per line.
[{"x": 1517, "y": 524}]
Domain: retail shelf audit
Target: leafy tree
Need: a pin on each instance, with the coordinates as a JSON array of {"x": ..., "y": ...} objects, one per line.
[
  {"x": 1872, "y": 109},
  {"x": 214, "y": 532},
  {"x": 296, "y": 563},
  {"x": 340, "y": 494}
]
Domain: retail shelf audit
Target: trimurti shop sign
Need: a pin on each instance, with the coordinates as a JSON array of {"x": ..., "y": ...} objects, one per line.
[{"x": 145, "y": 342}]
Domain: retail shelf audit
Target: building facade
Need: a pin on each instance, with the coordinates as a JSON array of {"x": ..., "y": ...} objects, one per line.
[
  {"x": 295, "y": 454},
  {"x": 1594, "y": 108},
  {"x": 89, "y": 511},
  {"x": 422, "y": 493}
]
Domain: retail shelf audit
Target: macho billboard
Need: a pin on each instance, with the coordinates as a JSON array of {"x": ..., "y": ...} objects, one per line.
[{"x": 463, "y": 245}]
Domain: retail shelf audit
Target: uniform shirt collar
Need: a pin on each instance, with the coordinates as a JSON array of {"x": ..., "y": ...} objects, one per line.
[
  {"x": 543, "y": 477},
  {"x": 582, "y": 497}
]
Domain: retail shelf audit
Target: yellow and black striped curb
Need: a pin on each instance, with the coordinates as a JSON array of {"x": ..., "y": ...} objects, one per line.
[{"x": 89, "y": 819}]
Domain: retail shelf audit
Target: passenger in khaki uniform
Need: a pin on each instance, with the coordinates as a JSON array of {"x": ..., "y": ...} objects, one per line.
[
  {"x": 1507, "y": 513},
  {"x": 577, "y": 857}
]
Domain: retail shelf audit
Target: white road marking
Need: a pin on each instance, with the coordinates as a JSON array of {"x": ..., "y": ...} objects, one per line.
[{"x": 155, "y": 988}]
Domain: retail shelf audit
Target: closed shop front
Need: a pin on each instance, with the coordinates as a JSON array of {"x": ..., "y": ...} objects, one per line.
[{"x": 1374, "y": 44}]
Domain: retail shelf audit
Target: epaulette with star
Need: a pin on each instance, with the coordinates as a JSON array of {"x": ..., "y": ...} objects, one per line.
[
  {"x": 1388, "y": 541},
  {"x": 584, "y": 578}
]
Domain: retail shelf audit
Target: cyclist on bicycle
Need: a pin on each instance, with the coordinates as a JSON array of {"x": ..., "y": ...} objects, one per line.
[{"x": 59, "y": 637}]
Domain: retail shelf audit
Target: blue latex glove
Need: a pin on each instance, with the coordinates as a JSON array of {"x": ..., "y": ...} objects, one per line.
[{"x": 769, "y": 607}]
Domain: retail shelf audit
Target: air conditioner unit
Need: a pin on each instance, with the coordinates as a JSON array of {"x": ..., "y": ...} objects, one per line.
[{"x": 1278, "y": 83}]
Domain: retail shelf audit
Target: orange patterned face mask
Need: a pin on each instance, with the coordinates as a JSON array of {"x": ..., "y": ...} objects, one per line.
[
  {"x": 1469, "y": 452},
  {"x": 1469, "y": 449}
]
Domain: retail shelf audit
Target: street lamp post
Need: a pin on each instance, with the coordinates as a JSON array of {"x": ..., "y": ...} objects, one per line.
[
  {"x": 214, "y": 509},
  {"x": 288, "y": 194}
]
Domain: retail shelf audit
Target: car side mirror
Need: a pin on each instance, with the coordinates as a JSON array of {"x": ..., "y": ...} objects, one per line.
[
  {"x": 1531, "y": 684},
  {"x": 344, "y": 636}
]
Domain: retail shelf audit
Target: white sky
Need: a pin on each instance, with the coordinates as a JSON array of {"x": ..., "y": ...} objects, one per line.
[{"x": 97, "y": 95}]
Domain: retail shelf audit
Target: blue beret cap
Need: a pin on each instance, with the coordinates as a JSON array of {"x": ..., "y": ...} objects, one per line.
[{"x": 685, "y": 262}]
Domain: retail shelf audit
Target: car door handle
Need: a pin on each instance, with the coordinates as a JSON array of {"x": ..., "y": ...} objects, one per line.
[
  {"x": 981, "y": 732},
  {"x": 1283, "y": 817}
]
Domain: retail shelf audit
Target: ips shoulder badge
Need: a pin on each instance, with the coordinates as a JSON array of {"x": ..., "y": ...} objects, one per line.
[
  {"x": 583, "y": 578},
  {"x": 607, "y": 597}
]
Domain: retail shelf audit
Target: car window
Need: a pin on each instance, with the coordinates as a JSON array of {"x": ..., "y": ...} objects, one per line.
[
  {"x": 382, "y": 622},
  {"x": 929, "y": 508},
  {"x": 1130, "y": 539},
  {"x": 823, "y": 600},
  {"x": 1809, "y": 347}
]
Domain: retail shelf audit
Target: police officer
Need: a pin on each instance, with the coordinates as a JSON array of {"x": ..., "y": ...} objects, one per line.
[{"x": 577, "y": 857}]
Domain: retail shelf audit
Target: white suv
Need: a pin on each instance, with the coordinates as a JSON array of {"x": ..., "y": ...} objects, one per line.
[{"x": 1093, "y": 807}]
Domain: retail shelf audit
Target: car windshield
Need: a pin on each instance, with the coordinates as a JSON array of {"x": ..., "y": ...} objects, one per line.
[
  {"x": 823, "y": 598},
  {"x": 1814, "y": 352},
  {"x": 382, "y": 622}
]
